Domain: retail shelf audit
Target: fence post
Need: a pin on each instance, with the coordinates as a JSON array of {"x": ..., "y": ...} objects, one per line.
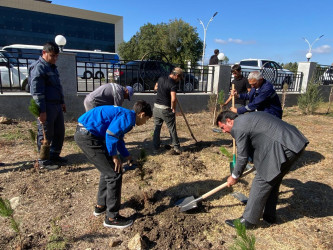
[{"x": 308, "y": 69}]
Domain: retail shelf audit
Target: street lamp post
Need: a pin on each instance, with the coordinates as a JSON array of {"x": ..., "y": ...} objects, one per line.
[
  {"x": 309, "y": 54},
  {"x": 205, "y": 31},
  {"x": 60, "y": 40}
]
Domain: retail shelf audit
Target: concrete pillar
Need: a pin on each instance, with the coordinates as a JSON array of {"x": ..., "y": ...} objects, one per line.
[
  {"x": 66, "y": 65},
  {"x": 308, "y": 69},
  {"x": 222, "y": 77}
]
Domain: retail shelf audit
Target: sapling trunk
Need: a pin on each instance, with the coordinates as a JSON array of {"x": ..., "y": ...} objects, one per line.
[{"x": 44, "y": 153}]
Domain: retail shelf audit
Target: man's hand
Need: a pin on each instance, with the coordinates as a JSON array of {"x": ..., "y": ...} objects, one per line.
[
  {"x": 117, "y": 163},
  {"x": 231, "y": 181},
  {"x": 63, "y": 106},
  {"x": 130, "y": 161},
  {"x": 234, "y": 93},
  {"x": 42, "y": 117},
  {"x": 233, "y": 109}
]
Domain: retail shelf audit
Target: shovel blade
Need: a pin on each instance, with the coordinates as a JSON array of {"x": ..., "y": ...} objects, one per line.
[{"x": 184, "y": 201}]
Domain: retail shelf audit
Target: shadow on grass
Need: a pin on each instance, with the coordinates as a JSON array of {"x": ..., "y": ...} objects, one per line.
[{"x": 310, "y": 199}]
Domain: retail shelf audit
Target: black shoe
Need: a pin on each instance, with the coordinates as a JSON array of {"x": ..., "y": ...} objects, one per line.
[
  {"x": 49, "y": 165},
  {"x": 119, "y": 222},
  {"x": 247, "y": 224},
  {"x": 269, "y": 219},
  {"x": 99, "y": 210},
  {"x": 58, "y": 159}
]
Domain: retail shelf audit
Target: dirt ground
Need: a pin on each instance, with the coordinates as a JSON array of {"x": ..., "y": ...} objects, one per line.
[{"x": 55, "y": 207}]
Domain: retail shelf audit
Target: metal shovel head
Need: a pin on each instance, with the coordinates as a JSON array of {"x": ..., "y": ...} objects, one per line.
[{"x": 186, "y": 203}]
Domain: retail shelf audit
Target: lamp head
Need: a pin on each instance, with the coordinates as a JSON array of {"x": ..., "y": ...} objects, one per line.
[
  {"x": 61, "y": 41},
  {"x": 221, "y": 56}
]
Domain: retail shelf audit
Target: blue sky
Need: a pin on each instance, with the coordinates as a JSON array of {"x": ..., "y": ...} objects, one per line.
[{"x": 241, "y": 29}]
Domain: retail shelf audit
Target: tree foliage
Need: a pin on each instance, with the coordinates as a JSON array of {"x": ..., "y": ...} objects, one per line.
[
  {"x": 290, "y": 66},
  {"x": 177, "y": 40}
]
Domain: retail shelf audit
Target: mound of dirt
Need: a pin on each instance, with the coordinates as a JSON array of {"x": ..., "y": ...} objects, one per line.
[{"x": 191, "y": 163}]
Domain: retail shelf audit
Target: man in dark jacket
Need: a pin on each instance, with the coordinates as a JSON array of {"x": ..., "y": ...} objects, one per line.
[
  {"x": 275, "y": 146},
  {"x": 262, "y": 97},
  {"x": 46, "y": 90},
  {"x": 214, "y": 59}
]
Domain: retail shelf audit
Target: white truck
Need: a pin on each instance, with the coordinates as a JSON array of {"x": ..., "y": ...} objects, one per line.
[{"x": 271, "y": 70}]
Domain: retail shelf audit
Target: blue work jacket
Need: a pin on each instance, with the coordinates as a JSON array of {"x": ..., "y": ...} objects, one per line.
[
  {"x": 110, "y": 123},
  {"x": 264, "y": 99},
  {"x": 45, "y": 84}
]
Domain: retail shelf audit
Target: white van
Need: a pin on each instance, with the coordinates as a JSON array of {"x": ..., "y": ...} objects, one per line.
[{"x": 14, "y": 72}]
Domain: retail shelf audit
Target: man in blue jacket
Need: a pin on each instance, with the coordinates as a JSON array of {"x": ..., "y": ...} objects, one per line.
[
  {"x": 262, "y": 97},
  {"x": 46, "y": 90},
  {"x": 100, "y": 134}
]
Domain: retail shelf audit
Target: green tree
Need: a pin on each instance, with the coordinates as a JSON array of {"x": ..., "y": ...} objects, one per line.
[
  {"x": 290, "y": 66},
  {"x": 177, "y": 40}
]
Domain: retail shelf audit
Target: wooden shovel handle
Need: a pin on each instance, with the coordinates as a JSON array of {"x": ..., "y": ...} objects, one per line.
[
  {"x": 218, "y": 188},
  {"x": 188, "y": 126}
]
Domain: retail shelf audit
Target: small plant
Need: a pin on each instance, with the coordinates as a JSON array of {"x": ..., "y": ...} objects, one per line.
[
  {"x": 141, "y": 161},
  {"x": 243, "y": 241},
  {"x": 330, "y": 100},
  {"x": 7, "y": 212},
  {"x": 309, "y": 101},
  {"x": 284, "y": 95},
  {"x": 221, "y": 98},
  {"x": 57, "y": 239},
  {"x": 225, "y": 152},
  {"x": 33, "y": 108}
]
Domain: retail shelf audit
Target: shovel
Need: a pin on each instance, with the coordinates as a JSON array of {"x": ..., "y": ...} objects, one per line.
[
  {"x": 233, "y": 162},
  {"x": 189, "y": 203},
  {"x": 188, "y": 126}
]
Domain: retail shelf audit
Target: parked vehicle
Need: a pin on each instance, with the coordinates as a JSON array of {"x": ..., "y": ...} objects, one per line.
[
  {"x": 90, "y": 64},
  {"x": 13, "y": 73},
  {"x": 142, "y": 75},
  {"x": 277, "y": 74},
  {"x": 327, "y": 77}
]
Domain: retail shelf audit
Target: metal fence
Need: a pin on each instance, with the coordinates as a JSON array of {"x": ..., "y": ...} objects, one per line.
[
  {"x": 324, "y": 74},
  {"x": 13, "y": 73},
  {"x": 141, "y": 75},
  {"x": 278, "y": 79}
]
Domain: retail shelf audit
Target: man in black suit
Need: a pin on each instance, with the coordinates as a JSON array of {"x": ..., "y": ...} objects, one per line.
[{"x": 274, "y": 145}]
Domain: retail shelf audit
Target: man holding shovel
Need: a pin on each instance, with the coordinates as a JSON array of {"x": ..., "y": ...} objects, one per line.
[
  {"x": 165, "y": 108},
  {"x": 275, "y": 146},
  {"x": 46, "y": 90}
]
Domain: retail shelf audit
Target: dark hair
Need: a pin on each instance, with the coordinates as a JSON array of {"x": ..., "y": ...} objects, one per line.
[
  {"x": 216, "y": 51},
  {"x": 236, "y": 67},
  {"x": 51, "y": 47},
  {"x": 222, "y": 117},
  {"x": 143, "y": 106}
]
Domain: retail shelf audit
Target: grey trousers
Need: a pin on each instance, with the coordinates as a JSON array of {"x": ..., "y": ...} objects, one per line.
[
  {"x": 264, "y": 195},
  {"x": 109, "y": 189},
  {"x": 167, "y": 116}
]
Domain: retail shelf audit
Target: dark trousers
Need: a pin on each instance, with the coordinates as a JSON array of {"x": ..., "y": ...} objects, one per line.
[
  {"x": 109, "y": 190},
  {"x": 54, "y": 129},
  {"x": 264, "y": 195},
  {"x": 167, "y": 116}
]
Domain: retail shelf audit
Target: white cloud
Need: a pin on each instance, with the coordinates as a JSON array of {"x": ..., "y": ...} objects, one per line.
[
  {"x": 231, "y": 40},
  {"x": 324, "y": 49}
]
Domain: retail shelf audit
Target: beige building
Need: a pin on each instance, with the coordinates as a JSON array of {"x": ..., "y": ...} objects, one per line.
[{"x": 35, "y": 22}]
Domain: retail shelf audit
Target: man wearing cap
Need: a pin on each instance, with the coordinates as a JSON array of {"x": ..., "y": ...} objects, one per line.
[
  {"x": 165, "y": 108},
  {"x": 108, "y": 94}
]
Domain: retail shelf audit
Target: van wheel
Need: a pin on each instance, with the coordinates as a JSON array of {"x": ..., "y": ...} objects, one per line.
[
  {"x": 137, "y": 87},
  {"x": 87, "y": 75},
  {"x": 26, "y": 86},
  {"x": 99, "y": 75}
]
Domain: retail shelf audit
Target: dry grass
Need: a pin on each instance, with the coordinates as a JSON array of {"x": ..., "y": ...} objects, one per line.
[{"x": 66, "y": 196}]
